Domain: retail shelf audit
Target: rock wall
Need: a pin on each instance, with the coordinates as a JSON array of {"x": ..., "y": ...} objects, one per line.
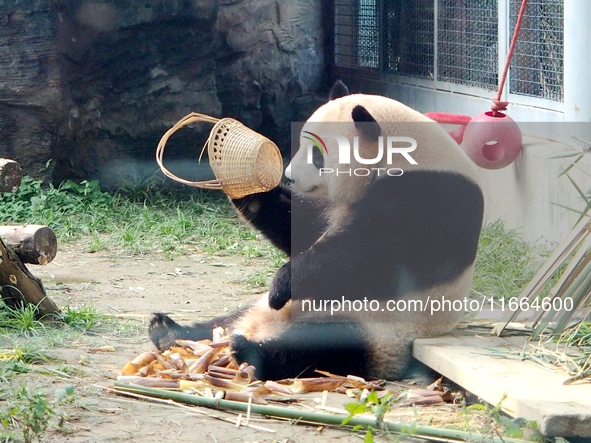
[
  {"x": 30, "y": 93},
  {"x": 87, "y": 88}
]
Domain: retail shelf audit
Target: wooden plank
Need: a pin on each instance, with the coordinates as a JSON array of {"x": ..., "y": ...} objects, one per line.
[{"x": 532, "y": 392}]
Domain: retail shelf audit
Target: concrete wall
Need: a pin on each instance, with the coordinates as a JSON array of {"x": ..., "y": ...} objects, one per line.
[{"x": 531, "y": 195}]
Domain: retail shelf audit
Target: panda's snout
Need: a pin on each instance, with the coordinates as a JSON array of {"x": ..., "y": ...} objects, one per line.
[{"x": 288, "y": 172}]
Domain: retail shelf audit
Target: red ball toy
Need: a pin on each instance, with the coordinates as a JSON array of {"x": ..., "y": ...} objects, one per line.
[{"x": 491, "y": 141}]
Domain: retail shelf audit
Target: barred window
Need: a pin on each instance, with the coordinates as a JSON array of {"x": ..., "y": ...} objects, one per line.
[
  {"x": 467, "y": 42},
  {"x": 537, "y": 67},
  {"x": 454, "y": 42},
  {"x": 356, "y": 33},
  {"x": 409, "y": 44}
]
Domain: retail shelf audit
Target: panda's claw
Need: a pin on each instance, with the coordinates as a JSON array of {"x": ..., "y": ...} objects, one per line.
[
  {"x": 256, "y": 355},
  {"x": 163, "y": 331}
]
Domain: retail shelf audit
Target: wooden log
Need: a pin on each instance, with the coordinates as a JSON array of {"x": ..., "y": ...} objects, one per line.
[
  {"x": 10, "y": 175},
  {"x": 35, "y": 244},
  {"x": 19, "y": 287}
]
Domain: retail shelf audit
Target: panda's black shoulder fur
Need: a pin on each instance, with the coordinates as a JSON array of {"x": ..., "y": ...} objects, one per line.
[{"x": 407, "y": 233}]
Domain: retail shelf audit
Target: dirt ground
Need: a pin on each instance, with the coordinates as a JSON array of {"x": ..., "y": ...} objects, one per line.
[
  {"x": 133, "y": 288},
  {"x": 188, "y": 288}
]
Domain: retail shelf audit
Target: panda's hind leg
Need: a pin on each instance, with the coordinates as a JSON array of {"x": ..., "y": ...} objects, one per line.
[
  {"x": 164, "y": 331},
  {"x": 340, "y": 348}
]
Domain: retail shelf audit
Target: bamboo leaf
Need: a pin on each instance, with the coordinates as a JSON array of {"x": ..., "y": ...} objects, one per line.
[
  {"x": 588, "y": 143},
  {"x": 373, "y": 397},
  {"x": 568, "y": 209},
  {"x": 572, "y": 165},
  {"x": 565, "y": 154},
  {"x": 583, "y": 196}
]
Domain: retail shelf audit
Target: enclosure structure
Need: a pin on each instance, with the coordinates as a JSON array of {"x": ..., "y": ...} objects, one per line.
[{"x": 448, "y": 55}]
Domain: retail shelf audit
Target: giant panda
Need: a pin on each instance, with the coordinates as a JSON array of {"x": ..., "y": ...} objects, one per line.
[{"x": 402, "y": 231}]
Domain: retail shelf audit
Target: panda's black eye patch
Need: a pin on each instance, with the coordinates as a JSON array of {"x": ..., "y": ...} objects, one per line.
[{"x": 317, "y": 158}]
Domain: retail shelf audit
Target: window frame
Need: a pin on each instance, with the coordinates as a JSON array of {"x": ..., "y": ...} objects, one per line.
[{"x": 504, "y": 35}]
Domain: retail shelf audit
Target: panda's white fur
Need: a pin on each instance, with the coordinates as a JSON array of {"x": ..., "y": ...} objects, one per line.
[
  {"x": 395, "y": 119},
  {"x": 383, "y": 339}
]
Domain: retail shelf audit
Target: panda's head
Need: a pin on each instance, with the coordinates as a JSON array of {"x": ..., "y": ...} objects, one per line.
[
  {"x": 369, "y": 119},
  {"x": 318, "y": 155}
]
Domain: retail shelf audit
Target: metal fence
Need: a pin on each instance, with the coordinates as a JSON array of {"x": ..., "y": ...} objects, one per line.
[
  {"x": 537, "y": 68},
  {"x": 467, "y": 42},
  {"x": 454, "y": 42},
  {"x": 408, "y": 38},
  {"x": 356, "y": 33}
]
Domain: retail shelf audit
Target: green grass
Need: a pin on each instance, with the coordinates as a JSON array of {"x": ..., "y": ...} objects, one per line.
[
  {"x": 84, "y": 319},
  {"x": 24, "y": 321},
  {"x": 20, "y": 359},
  {"x": 506, "y": 262},
  {"x": 24, "y": 413},
  {"x": 25, "y": 324},
  {"x": 168, "y": 221},
  {"x": 27, "y": 414},
  {"x": 259, "y": 279}
]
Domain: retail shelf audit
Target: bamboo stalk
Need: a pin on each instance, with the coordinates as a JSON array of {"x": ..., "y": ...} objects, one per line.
[
  {"x": 570, "y": 292},
  {"x": 564, "y": 317},
  {"x": 188, "y": 409},
  {"x": 560, "y": 254},
  {"x": 575, "y": 267},
  {"x": 312, "y": 416}
]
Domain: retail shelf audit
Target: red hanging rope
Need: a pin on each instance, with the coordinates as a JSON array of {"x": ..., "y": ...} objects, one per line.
[{"x": 500, "y": 105}]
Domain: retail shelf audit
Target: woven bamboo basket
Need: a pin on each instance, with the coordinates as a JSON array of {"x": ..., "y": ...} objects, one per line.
[{"x": 243, "y": 161}]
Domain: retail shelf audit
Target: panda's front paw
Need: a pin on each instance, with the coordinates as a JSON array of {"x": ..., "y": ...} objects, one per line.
[
  {"x": 254, "y": 354},
  {"x": 280, "y": 291},
  {"x": 244, "y": 350},
  {"x": 163, "y": 331}
]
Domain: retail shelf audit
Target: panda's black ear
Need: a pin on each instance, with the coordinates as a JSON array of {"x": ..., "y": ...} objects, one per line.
[
  {"x": 365, "y": 123},
  {"x": 338, "y": 90}
]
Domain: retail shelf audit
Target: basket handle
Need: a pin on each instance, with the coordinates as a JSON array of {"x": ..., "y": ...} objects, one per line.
[{"x": 193, "y": 117}]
